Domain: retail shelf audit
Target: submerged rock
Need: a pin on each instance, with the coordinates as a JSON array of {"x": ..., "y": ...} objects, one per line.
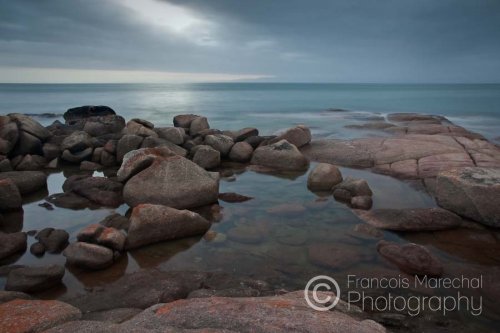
[
  {"x": 411, "y": 258},
  {"x": 471, "y": 192},
  {"x": 323, "y": 177},
  {"x": 154, "y": 223},
  {"x": 35, "y": 315},
  {"x": 281, "y": 155},
  {"x": 34, "y": 279},
  {"x": 415, "y": 219}
]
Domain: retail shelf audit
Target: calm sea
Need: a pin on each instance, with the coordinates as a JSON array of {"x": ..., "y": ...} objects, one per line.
[{"x": 267, "y": 106}]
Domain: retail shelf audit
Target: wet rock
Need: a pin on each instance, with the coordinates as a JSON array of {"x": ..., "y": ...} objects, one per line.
[
  {"x": 100, "y": 190},
  {"x": 206, "y": 157},
  {"x": 103, "y": 125},
  {"x": 469, "y": 192},
  {"x": 154, "y": 223},
  {"x": 173, "y": 181},
  {"x": 9, "y": 134},
  {"x": 198, "y": 125},
  {"x": 342, "y": 195},
  {"x": 244, "y": 133},
  {"x": 12, "y": 243},
  {"x": 76, "y": 142},
  {"x": 89, "y": 256},
  {"x": 362, "y": 202},
  {"x": 241, "y": 152},
  {"x": 280, "y": 155},
  {"x": 184, "y": 120},
  {"x": 108, "y": 159},
  {"x": 46, "y": 205},
  {"x": 333, "y": 256},
  {"x": 51, "y": 151},
  {"x": 34, "y": 279},
  {"x": 37, "y": 249},
  {"x": 28, "y": 144},
  {"x": 11, "y": 221},
  {"x": 26, "y": 181},
  {"x": 298, "y": 136},
  {"x": 105, "y": 236},
  {"x": 255, "y": 141},
  {"x": 172, "y": 134},
  {"x": 54, "y": 240},
  {"x": 116, "y": 221},
  {"x": 87, "y": 111},
  {"x": 31, "y": 163},
  {"x": 78, "y": 157},
  {"x": 323, "y": 177},
  {"x": 416, "y": 219},
  {"x": 220, "y": 142},
  {"x": 284, "y": 313},
  {"x": 10, "y": 198},
  {"x": 233, "y": 197},
  {"x": 35, "y": 315},
  {"x": 126, "y": 144},
  {"x": 411, "y": 258},
  {"x": 69, "y": 200}
]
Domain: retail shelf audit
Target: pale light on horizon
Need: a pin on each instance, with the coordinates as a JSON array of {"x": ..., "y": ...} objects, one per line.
[{"x": 61, "y": 75}]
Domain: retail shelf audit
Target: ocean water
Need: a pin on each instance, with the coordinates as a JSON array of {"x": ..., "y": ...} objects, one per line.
[
  {"x": 279, "y": 249},
  {"x": 267, "y": 106}
]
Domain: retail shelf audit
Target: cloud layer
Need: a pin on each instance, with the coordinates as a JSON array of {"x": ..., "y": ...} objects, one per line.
[{"x": 321, "y": 41}]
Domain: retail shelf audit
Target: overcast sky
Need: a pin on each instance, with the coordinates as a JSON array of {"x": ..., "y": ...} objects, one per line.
[{"x": 264, "y": 40}]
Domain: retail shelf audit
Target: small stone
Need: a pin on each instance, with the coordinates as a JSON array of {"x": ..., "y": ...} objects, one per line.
[
  {"x": 88, "y": 256},
  {"x": 37, "y": 249}
]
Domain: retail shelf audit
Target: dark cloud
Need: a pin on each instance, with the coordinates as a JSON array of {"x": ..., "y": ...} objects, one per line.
[{"x": 323, "y": 40}]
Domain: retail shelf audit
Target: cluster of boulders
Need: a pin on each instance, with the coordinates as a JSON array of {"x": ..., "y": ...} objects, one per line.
[{"x": 327, "y": 178}]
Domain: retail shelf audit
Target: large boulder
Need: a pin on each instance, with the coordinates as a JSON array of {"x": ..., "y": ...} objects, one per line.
[
  {"x": 35, "y": 315},
  {"x": 279, "y": 314},
  {"x": 100, "y": 190},
  {"x": 154, "y": 177},
  {"x": 220, "y": 142},
  {"x": 89, "y": 256},
  {"x": 87, "y": 111},
  {"x": 415, "y": 219},
  {"x": 198, "y": 125},
  {"x": 298, "y": 136},
  {"x": 26, "y": 181},
  {"x": 28, "y": 125},
  {"x": 151, "y": 142},
  {"x": 103, "y": 125},
  {"x": 9, "y": 134},
  {"x": 126, "y": 144},
  {"x": 77, "y": 141},
  {"x": 154, "y": 223},
  {"x": 10, "y": 198},
  {"x": 206, "y": 157},
  {"x": 27, "y": 144},
  {"x": 184, "y": 120},
  {"x": 471, "y": 192},
  {"x": 172, "y": 134},
  {"x": 244, "y": 134},
  {"x": 12, "y": 243},
  {"x": 280, "y": 155},
  {"x": 324, "y": 177},
  {"x": 34, "y": 279},
  {"x": 140, "y": 127},
  {"x": 411, "y": 258}
]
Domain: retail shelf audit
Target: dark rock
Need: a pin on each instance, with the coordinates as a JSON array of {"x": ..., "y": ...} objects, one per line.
[
  {"x": 116, "y": 221},
  {"x": 51, "y": 151},
  {"x": 11, "y": 221},
  {"x": 241, "y": 152},
  {"x": 280, "y": 155},
  {"x": 78, "y": 157},
  {"x": 140, "y": 127},
  {"x": 27, "y": 144},
  {"x": 9, "y": 134},
  {"x": 184, "y": 120},
  {"x": 28, "y": 125},
  {"x": 355, "y": 187},
  {"x": 90, "y": 166},
  {"x": 411, "y": 258},
  {"x": 34, "y": 279},
  {"x": 244, "y": 134},
  {"x": 31, "y": 163},
  {"x": 206, "y": 157},
  {"x": 87, "y": 111},
  {"x": 90, "y": 256},
  {"x": 5, "y": 165},
  {"x": 26, "y": 181},
  {"x": 12, "y": 244},
  {"x": 416, "y": 219},
  {"x": 37, "y": 249},
  {"x": 255, "y": 141},
  {"x": 108, "y": 159},
  {"x": 69, "y": 200},
  {"x": 154, "y": 223},
  {"x": 10, "y": 198},
  {"x": 7, "y": 296},
  {"x": 97, "y": 126},
  {"x": 54, "y": 240},
  {"x": 323, "y": 177},
  {"x": 126, "y": 144},
  {"x": 233, "y": 197},
  {"x": 76, "y": 142},
  {"x": 100, "y": 190}
]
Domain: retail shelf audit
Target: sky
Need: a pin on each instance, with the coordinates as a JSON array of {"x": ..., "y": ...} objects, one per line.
[{"x": 345, "y": 41}]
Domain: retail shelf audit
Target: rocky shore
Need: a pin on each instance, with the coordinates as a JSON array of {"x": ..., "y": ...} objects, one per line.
[{"x": 169, "y": 177}]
